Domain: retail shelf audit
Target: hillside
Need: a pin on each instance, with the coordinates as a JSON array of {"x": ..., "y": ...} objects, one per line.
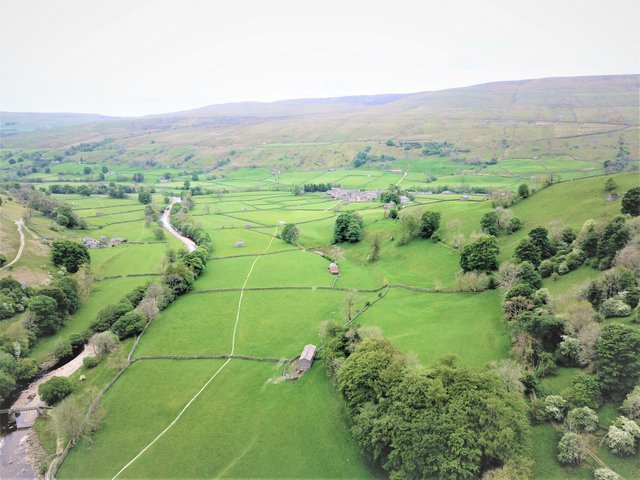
[{"x": 580, "y": 118}]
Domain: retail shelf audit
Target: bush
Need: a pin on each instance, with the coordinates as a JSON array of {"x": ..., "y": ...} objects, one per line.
[
  {"x": 26, "y": 369},
  {"x": 130, "y": 324},
  {"x": 622, "y": 437},
  {"x": 513, "y": 225},
  {"x": 631, "y": 405},
  {"x": 555, "y": 407},
  {"x": 614, "y": 307},
  {"x": 605, "y": 474},
  {"x": 63, "y": 350},
  {"x": 546, "y": 268},
  {"x": 105, "y": 342},
  {"x": 55, "y": 389},
  {"x": 582, "y": 420},
  {"x": 77, "y": 341},
  {"x": 90, "y": 362},
  {"x": 585, "y": 392},
  {"x": 571, "y": 449}
]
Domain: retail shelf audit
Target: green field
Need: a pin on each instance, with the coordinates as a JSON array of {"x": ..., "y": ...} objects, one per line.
[{"x": 267, "y": 298}]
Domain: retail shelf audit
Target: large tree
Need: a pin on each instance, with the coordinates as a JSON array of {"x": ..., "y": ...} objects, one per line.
[
  {"x": 69, "y": 255},
  {"x": 429, "y": 223},
  {"x": 617, "y": 360},
  {"x": 631, "y": 202},
  {"x": 481, "y": 254},
  {"x": 44, "y": 318},
  {"x": 348, "y": 228}
]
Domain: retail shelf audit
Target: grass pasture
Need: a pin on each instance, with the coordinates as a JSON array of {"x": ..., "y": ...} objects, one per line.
[{"x": 246, "y": 423}]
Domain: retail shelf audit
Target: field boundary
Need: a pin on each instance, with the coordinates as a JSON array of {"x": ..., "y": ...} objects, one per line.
[{"x": 210, "y": 357}]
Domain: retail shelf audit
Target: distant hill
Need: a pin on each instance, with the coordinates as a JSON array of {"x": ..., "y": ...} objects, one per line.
[
  {"x": 12, "y": 123},
  {"x": 583, "y": 118}
]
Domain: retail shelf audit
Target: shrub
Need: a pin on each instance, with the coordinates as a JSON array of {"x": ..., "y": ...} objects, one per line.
[
  {"x": 605, "y": 474},
  {"x": 555, "y": 407},
  {"x": 130, "y": 324},
  {"x": 620, "y": 441},
  {"x": 55, "y": 389},
  {"x": 582, "y": 420},
  {"x": 520, "y": 290},
  {"x": 528, "y": 274},
  {"x": 105, "y": 342},
  {"x": 585, "y": 392},
  {"x": 90, "y": 362},
  {"x": 76, "y": 340},
  {"x": 569, "y": 351},
  {"x": 571, "y": 449},
  {"x": 63, "y": 350},
  {"x": 631, "y": 405},
  {"x": 614, "y": 307},
  {"x": 546, "y": 268},
  {"x": 513, "y": 225},
  {"x": 26, "y": 369}
]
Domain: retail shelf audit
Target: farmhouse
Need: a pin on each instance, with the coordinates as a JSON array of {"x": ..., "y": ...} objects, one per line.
[
  {"x": 333, "y": 268},
  {"x": 306, "y": 358}
]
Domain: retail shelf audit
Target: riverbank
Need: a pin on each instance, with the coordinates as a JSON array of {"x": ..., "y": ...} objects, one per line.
[
  {"x": 20, "y": 451},
  {"x": 166, "y": 223}
]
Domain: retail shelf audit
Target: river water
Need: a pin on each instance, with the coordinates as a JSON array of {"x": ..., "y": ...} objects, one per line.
[{"x": 14, "y": 463}]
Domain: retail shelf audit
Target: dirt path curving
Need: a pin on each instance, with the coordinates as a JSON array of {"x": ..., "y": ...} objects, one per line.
[{"x": 19, "y": 223}]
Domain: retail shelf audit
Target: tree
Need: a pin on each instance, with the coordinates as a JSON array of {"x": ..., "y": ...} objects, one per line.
[
  {"x": 144, "y": 197},
  {"x": 622, "y": 437},
  {"x": 481, "y": 254},
  {"x": 348, "y": 228},
  {"x": 631, "y": 202},
  {"x": 105, "y": 169},
  {"x": 130, "y": 324},
  {"x": 7, "y": 384},
  {"x": 26, "y": 369},
  {"x": 613, "y": 238},
  {"x": 571, "y": 449},
  {"x": 490, "y": 223},
  {"x": 540, "y": 238},
  {"x": 529, "y": 275},
  {"x": 138, "y": 177},
  {"x": 290, "y": 233},
  {"x": 610, "y": 185},
  {"x": 523, "y": 190},
  {"x": 105, "y": 342},
  {"x": 617, "y": 361},
  {"x": 527, "y": 251},
  {"x": 44, "y": 318},
  {"x": 429, "y": 223},
  {"x": 631, "y": 405},
  {"x": 582, "y": 420},
  {"x": 69, "y": 254},
  {"x": 55, "y": 389},
  {"x": 374, "y": 255}
]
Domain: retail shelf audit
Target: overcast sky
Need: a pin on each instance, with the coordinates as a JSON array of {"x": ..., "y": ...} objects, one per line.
[{"x": 135, "y": 57}]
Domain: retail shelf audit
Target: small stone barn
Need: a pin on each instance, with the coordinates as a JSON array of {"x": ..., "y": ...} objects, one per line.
[
  {"x": 333, "y": 268},
  {"x": 239, "y": 244},
  {"x": 306, "y": 358}
]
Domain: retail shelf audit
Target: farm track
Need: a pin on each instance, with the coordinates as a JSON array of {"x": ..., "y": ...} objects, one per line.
[
  {"x": 19, "y": 224},
  {"x": 231, "y": 355}
]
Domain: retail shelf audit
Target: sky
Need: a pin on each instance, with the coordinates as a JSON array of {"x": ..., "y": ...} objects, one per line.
[{"x": 137, "y": 57}]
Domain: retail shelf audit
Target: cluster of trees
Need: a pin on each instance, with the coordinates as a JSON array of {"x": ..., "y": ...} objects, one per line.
[
  {"x": 13, "y": 297},
  {"x": 317, "y": 187},
  {"x": 415, "y": 422},
  {"x": 132, "y": 313},
  {"x": 60, "y": 212},
  {"x": 48, "y": 309},
  {"x": 365, "y": 156},
  {"x": 414, "y": 224},
  {"x": 347, "y": 228},
  {"x": 500, "y": 221},
  {"x": 437, "y": 148}
]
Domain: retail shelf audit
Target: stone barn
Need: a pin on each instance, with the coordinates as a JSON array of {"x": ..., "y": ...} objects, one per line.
[
  {"x": 333, "y": 268},
  {"x": 306, "y": 358}
]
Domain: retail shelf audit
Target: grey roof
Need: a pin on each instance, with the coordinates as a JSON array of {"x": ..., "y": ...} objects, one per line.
[{"x": 308, "y": 353}]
